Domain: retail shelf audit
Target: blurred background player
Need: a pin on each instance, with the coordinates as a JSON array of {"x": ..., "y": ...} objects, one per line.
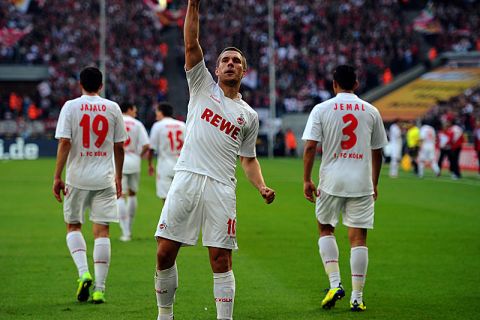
[
  {"x": 456, "y": 139},
  {"x": 476, "y": 139},
  {"x": 413, "y": 141},
  {"x": 220, "y": 127},
  {"x": 396, "y": 144},
  {"x": 166, "y": 140},
  {"x": 426, "y": 155},
  {"x": 91, "y": 132},
  {"x": 444, "y": 145},
  {"x": 135, "y": 146},
  {"x": 291, "y": 143},
  {"x": 352, "y": 136}
]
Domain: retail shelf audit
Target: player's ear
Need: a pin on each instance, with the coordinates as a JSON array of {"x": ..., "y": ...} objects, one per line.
[
  {"x": 217, "y": 72},
  {"x": 101, "y": 86},
  {"x": 356, "y": 85}
]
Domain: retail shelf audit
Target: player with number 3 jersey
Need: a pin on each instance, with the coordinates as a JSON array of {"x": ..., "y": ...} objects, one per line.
[
  {"x": 91, "y": 132},
  {"x": 352, "y": 136},
  {"x": 166, "y": 138}
]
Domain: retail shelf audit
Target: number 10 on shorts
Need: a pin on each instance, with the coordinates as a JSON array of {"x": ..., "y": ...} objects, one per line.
[{"x": 231, "y": 227}]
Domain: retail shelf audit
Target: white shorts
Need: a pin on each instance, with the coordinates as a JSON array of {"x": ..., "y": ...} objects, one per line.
[
  {"x": 163, "y": 185},
  {"x": 102, "y": 205},
  {"x": 356, "y": 212},
  {"x": 426, "y": 154},
  {"x": 197, "y": 202},
  {"x": 130, "y": 181}
]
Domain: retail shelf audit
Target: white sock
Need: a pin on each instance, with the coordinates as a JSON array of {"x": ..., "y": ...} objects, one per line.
[
  {"x": 78, "y": 249},
  {"x": 101, "y": 261},
  {"x": 358, "y": 265},
  {"x": 123, "y": 215},
  {"x": 394, "y": 167},
  {"x": 224, "y": 292},
  {"x": 329, "y": 253},
  {"x": 166, "y": 283},
  {"x": 131, "y": 210},
  {"x": 421, "y": 166},
  {"x": 435, "y": 167}
]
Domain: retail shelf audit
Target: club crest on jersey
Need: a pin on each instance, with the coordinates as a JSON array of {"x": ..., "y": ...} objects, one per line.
[{"x": 241, "y": 120}]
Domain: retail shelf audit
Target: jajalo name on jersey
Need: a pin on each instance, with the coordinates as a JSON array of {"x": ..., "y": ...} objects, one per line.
[{"x": 93, "y": 107}]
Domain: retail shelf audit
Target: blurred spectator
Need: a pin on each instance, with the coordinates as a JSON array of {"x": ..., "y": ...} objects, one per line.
[
  {"x": 291, "y": 143},
  {"x": 476, "y": 136},
  {"x": 456, "y": 139}
]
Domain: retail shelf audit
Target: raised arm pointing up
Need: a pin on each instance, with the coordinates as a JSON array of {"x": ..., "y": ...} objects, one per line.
[{"x": 193, "y": 51}]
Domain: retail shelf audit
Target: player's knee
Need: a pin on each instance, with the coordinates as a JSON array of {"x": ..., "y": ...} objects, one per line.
[
  {"x": 165, "y": 259},
  {"x": 221, "y": 262}
]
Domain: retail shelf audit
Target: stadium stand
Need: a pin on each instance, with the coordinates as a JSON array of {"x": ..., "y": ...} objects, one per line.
[{"x": 381, "y": 38}]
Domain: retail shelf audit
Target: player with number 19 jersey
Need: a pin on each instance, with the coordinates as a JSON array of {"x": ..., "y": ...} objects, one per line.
[
  {"x": 93, "y": 124},
  {"x": 348, "y": 128}
]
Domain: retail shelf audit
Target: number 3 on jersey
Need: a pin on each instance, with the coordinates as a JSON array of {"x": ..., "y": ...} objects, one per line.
[
  {"x": 349, "y": 131},
  {"x": 99, "y": 127}
]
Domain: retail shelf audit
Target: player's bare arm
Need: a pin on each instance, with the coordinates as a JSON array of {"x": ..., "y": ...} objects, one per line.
[
  {"x": 64, "y": 146},
  {"x": 151, "y": 169},
  {"x": 119, "y": 153},
  {"x": 252, "y": 170},
  {"x": 309, "y": 189},
  {"x": 193, "y": 51},
  {"x": 376, "y": 166},
  {"x": 145, "y": 149}
]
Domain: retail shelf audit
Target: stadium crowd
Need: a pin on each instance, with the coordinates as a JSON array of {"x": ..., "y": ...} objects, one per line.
[
  {"x": 311, "y": 37},
  {"x": 66, "y": 38}
]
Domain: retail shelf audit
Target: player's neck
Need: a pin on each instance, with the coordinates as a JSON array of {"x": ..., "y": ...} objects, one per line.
[
  {"x": 230, "y": 92},
  {"x": 344, "y": 91},
  {"x": 91, "y": 94}
]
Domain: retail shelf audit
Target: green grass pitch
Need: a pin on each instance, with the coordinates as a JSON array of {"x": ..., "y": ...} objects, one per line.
[{"x": 424, "y": 253}]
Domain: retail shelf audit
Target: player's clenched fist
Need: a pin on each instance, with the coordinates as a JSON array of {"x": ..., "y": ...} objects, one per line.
[
  {"x": 58, "y": 185},
  {"x": 267, "y": 194},
  {"x": 310, "y": 191}
]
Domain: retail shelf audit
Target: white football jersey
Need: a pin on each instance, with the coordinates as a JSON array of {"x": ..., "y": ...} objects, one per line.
[
  {"x": 428, "y": 137},
  {"x": 348, "y": 128},
  {"x": 218, "y": 129},
  {"x": 395, "y": 139},
  {"x": 137, "y": 138},
  {"x": 167, "y": 137},
  {"x": 93, "y": 124}
]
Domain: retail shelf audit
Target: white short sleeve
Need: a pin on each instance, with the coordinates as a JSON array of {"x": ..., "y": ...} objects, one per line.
[
  {"x": 313, "y": 128},
  {"x": 120, "y": 134},
  {"x": 143, "y": 136},
  {"x": 198, "y": 78},
  {"x": 247, "y": 149},
  {"x": 379, "y": 136},
  {"x": 154, "y": 137},
  {"x": 64, "y": 127}
]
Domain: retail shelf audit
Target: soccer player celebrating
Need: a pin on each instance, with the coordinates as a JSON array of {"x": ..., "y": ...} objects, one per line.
[
  {"x": 135, "y": 146},
  {"x": 91, "y": 131},
  {"x": 352, "y": 136},
  {"x": 220, "y": 126},
  {"x": 166, "y": 139}
]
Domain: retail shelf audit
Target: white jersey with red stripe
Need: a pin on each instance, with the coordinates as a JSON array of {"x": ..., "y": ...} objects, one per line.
[
  {"x": 218, "y": 129},
  {"x": 93, "y": 124},
  {"x": 137, "y": 139},
  {"x": 167, "y": 138},
  {"x": 348, "y": 128},
  {"x": 428, "y": 137}
]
